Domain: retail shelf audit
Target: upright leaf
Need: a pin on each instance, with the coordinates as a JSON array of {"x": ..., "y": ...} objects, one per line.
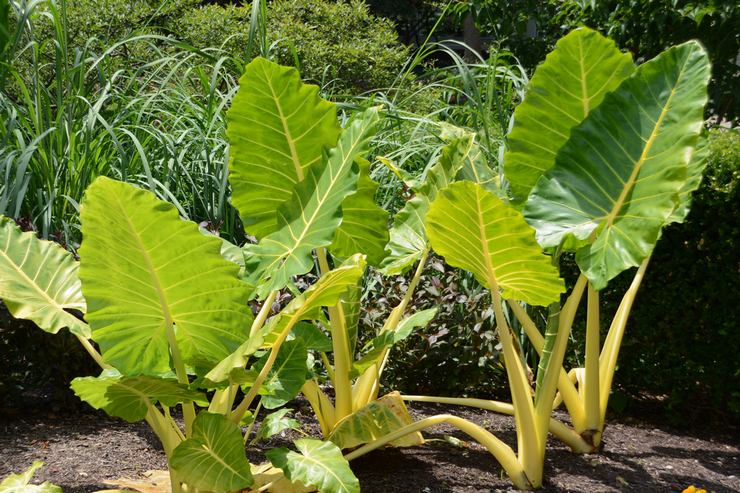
[
  {"x": 573, "y": 80},
  {"x": 408, "y": 239},
  {"x": 130, "y": 397},
  {"x": 38, "y": 281},
  {"x": 364, "y": 227},
  {"x": 213, "y": 459},
  {"x": 278, "y": 128},
  {"x": 146, "y": 272},
  {"x": 474, "y": 230},
  {"x": 695, "y": 170},
  {"x": 310, "y": 217},
  {"x": 618, "y": 178},
  {"x": 319, "y": 464}
]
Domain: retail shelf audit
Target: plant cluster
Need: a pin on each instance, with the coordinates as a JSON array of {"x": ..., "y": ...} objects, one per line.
[{"x": 603, "y": 154}]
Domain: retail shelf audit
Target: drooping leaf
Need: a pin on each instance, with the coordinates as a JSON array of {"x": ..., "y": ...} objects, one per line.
[
  {"x": 267, "y": 474},
  {"x": 408, "y": 239},
  {"x": 213, "y": 458},
  {"x": 619, "y": 175},
  {"x": 695, "y": 169},
  {"x": 39, "y": 281},
  {"x": 573, "y": 80},
  {"x": 287, "y": 375},
  {"x": 325, "y": 292},
  {"x": 278, "y": 127},
  {"x": 319, "y": 464},
  {"x": 310, "y": 217},
  {"x": 376, "y": 420},
  {"x": 21, "y": 483},
  {"x": 474, "y": 230},
  {"x": 275, "y": 423},
  {"x": 377, "y": 346},
  {"x": 364, "y": 227},
  {"x": 130, "y": 397},
  {"x": 144, "y": 269}
]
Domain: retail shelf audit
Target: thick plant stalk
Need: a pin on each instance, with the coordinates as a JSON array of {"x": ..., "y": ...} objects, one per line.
[
  {"x": 563, "y": 432},
  {"x": 502, "y": 452},
  {"x": 591, "y": 384},
  {"x": 93, "y": 352},
  {"x": 322, "y": 406},
  {"x": 610, "y": 351}
]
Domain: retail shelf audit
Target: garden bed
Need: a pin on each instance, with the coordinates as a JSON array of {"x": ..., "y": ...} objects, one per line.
[{"x": 83, "y": 450}]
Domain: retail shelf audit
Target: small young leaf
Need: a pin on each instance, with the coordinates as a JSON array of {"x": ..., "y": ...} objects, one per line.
[
  {"x": 275, "y": 423},
  {"x": 20, "y": 483}
]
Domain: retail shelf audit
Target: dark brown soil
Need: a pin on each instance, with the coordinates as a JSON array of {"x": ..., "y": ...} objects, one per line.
[{"x": 83, "y": 450}]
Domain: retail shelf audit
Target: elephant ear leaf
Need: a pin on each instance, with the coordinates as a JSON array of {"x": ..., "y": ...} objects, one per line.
[
  {"x": 319, "y": 464},
  {"x": 694, "y": 172},
  {"x": 152, "y": 280},
  {"x": 474, "y": 230},
  {"x": 213, "y": 458},
  {"x": 573, "y": 79},
  {"x": 364, "y": 227},
  {"x": 309, "y": 219},
  {"x": 39, "y": 282},
  {"x": 278, "y": 127},
  {"x": 617, "y": 180}
]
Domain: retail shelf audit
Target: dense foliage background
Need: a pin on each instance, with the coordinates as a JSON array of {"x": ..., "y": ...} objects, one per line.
[{"x": 137, "y": 91}]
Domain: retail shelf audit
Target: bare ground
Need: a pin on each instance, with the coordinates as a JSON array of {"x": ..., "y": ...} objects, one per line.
[{"x": 82, "y": 450}]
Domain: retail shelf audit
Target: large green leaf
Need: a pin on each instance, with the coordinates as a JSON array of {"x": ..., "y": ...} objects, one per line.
[
  {"x": 287, "y": 375},
  {"x": 319, "y": 464},
  {"x": 130, "y": 397},
  {"x": 144, "y": 270},
  {"x": 38, "y": 281},
  {"x": 275, "y": 423},
  {"x": 474, "y": 230},
  {"x": 325, "y": 292},
  {"x": 695, "y": 170},
  {"x": 618, "y": 178},
  {"x": 364, "y": 227},
  {"x": 408, "y": 240},
  {"x": 573, "y": 79},
  {"x": 379, "y": 418},
  {"x": 310, "y": 217},
  {"x": 213, "y": 458},
  {"x": 21, "y": 483},
  {"x": 277, "y": 128}
]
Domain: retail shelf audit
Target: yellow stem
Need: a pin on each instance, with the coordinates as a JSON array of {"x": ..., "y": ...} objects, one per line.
[
  {"x": 610, "y": 351},
  {"x": 93, "y": 352},
  {"x": 265, "y": 309},
  {"x": 563, "y": 432},
  {"x": 591, "y": 384},
  {"x": 322, "y": 406},
  {"x": 502, "y": 452}
]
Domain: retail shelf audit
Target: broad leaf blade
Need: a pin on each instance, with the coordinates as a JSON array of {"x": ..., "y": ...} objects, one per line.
[
  {"x": 278, "y": 127},
  {"x": 142, "y": 267},
  {"x": 364, "y": 227},
  {"x": 573, "y": 79},
  {"x": 287, "y": 375},
  {"x": 310, "y": 217},
  {"x": 275, "y": 423},
  {"x": 408, "y": 239},
  {"x": 319, "y": 464},
  {"x": 474, "y": 230},
  {"x": 619, "y": 175},
  {"x": 130, "y": 397},
  {"x": 39, "y": 281},
  {"x": 695, "y": 170},
  {"x": 374, "y": 421},
  {"x": 213, "y": 459}
]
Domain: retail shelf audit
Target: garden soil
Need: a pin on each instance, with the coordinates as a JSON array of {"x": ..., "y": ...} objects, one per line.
[{"x": 83, "y": 450}]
